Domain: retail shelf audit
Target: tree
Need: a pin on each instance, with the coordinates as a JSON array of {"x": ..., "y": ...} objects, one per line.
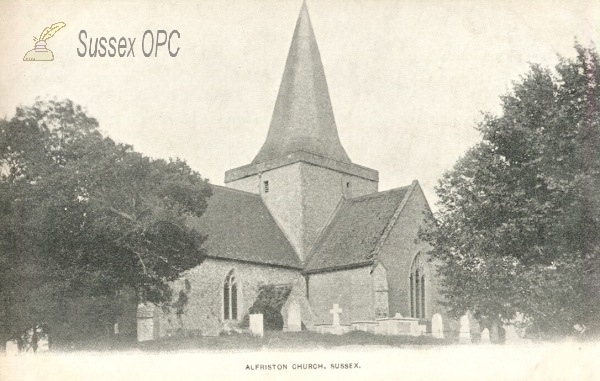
[
  {"x": 84, "y": 217},
  {"x": 518, "y": 221}
]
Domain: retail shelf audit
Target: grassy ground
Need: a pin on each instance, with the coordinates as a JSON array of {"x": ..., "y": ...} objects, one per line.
[{"x": 273, "y": 340}]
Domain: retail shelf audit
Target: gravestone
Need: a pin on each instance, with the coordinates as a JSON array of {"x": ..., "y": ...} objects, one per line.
[
  {"x": 294, "y": 323},
  {"x": 147, "y": 323},
  {"x": 256, "y": 325},
  {"x": 12, "y": 348},
  {"x": 475, "y": 329},
  {"x": 511, "y": 336},
  {"x": 145, "y": 329},
  {"x": 464, "y": 337},
  {"x": 485, "y": 336},
  {"x": 437, "y": 326},
  {"x": 43, "y": 344},
  {"x": 336, "y": 311},
  {"x": 494, "y": 337}
]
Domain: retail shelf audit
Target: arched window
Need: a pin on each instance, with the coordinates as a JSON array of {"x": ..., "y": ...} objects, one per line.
[
  {"x": 418, "y": 281},
  {"x": 231, "y": 297}
]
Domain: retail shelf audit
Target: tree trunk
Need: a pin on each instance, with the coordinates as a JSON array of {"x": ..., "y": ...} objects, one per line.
[
  {"x": 21, "y": 344},
  {"x": 34, "y": 340},
  {"x": 50, "y": 341}
]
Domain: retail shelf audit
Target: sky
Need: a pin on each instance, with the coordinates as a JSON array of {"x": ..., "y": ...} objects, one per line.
[{"x": 408, "y": 80}]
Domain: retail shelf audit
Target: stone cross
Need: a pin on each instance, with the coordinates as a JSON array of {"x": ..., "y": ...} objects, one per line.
[{"x": 336, "y": 311}]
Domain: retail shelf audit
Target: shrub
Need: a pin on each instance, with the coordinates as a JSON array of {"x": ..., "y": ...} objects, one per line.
[{"x": 269, "y": 302}]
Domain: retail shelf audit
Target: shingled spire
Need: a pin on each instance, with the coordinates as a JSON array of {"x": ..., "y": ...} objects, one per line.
[{"x": 303, "y": 117}]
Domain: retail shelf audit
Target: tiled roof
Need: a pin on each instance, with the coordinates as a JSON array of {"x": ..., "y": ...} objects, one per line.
[
  {"x": 240, "y": 227},
  {"x": 355, "y": 230}
]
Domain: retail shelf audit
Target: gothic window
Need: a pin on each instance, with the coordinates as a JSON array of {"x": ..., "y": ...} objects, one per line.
[
  {"x": 418, "y": 282},
  {"x": 231, "y": 297}
]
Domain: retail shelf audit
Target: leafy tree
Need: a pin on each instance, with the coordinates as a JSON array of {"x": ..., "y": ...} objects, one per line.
[
  {"x": 84, "y": 217},
  {"x": 518, "y": 224}
]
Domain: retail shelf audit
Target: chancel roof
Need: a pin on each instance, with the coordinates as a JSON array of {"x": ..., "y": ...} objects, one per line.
[
  {"x": 356, "y": 230},
  {"x": 240, "y": 227}
]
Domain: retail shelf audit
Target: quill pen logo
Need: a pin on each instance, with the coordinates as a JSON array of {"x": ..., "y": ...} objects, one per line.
[{"x": 40, "y": 52}]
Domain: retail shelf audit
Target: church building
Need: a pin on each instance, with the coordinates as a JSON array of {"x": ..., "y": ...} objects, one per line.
[{"x": 303, "y": 217}]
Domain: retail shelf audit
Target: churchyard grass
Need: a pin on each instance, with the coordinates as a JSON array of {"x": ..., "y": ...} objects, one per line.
[{"x": 241, "y": 342}]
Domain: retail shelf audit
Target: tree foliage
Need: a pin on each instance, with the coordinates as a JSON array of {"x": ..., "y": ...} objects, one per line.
[
  {"x": 518, "y": 224},
  {"x": 269, "y": 302},
  {"x": 83, "y": 216}
]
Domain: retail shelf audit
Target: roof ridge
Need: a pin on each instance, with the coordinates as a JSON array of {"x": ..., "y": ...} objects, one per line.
[
  {"x": 392, "y": 222},
  {"x": 233, "y": 190},
  {"x": 241, "y": 227},
  {"x": 378, "y": 194},
  {"x": 283, "y": 232},
  {"x": 255, "y": 262},
  {"x": 329, "y": 221}
]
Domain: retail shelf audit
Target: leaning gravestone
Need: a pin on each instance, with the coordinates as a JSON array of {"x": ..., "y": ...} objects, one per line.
[
  {"x": 485, "y": 336},
  {"x": 256, "y": 325},
  {"x": 464, "y": 336}
]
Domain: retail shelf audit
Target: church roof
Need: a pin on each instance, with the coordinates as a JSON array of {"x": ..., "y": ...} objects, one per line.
[
  {"x": 240, "y": 227},
  {"x": 356, "y": 230},
  {"x": 303, "y": 117}
]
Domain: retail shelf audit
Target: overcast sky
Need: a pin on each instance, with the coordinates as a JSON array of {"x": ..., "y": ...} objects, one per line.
[{"x": 408, "y": 80}]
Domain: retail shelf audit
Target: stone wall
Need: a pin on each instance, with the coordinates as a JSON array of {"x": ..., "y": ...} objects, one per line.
[
  {"x": 203, "y": 313},
  {"x": 247, "y": 184},
  {"x": 302, "y": 197},
  {"x": 351, "y": 289},
  {"x": 398, "y": 252},
  {"x": 284, "y": 201},
  {"x": 322, "y": 189},
  {"x": 380, "y": 291}
]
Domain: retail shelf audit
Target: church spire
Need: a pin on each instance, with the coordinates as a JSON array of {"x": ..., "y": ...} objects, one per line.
[{"x": 303, "y": 117}]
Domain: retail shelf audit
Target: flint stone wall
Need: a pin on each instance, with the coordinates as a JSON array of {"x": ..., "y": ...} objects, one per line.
[{"x": 203, "y": 313}]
